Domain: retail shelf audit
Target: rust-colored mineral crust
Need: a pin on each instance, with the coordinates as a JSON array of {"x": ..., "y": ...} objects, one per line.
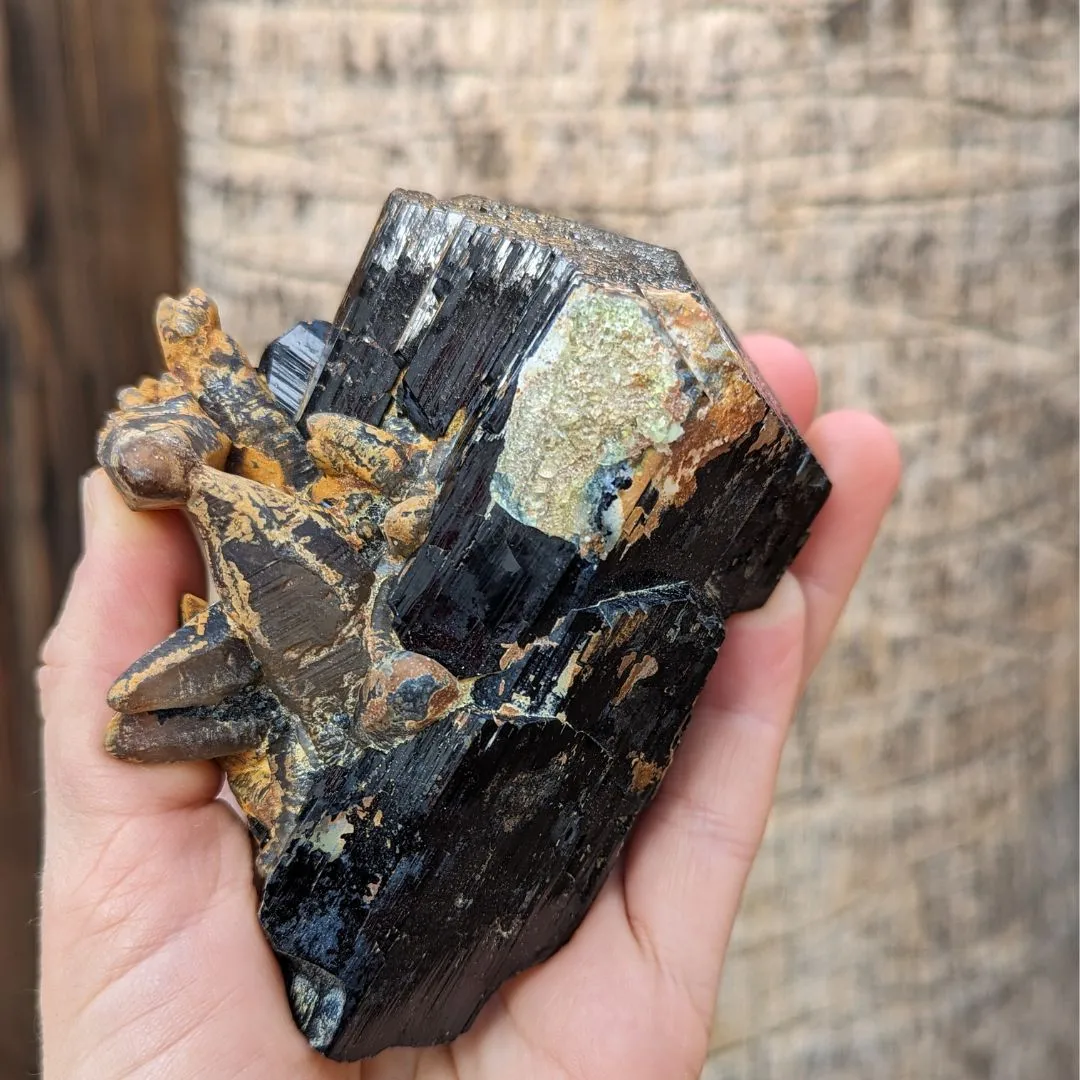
[{"x": 473, "y": 546}]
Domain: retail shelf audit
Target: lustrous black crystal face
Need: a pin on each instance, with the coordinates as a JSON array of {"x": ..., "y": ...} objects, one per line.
[
  {"x": 487, "y": 839},
  {"x": 474, "y": 565}
]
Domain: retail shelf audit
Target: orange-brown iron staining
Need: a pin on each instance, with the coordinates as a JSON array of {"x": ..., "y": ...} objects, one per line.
[
  {"x": 711, "y": 429},
  {"x": 190, "y": 606},
  {"x": 342, "y": 446},
  {"x": 729, "y": 410},
  {"x": 644, "y": 668},
  {"x": 270, "y": 784},
  {"x": 149, "y": 391},
  {"x": 406, "y": 524},
  {"x": 200, "y": 664},
  {"x": 644, "y": 773},
  {"x": 405, "y": 692},
  {"x": 212, "y": 368},
  {"x": 151, "y": 449},
  {"x": 253, "y": 464}
]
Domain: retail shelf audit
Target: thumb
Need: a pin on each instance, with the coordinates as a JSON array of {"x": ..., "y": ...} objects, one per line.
[
  {"x": 123, "y": 598},
  {"x": 149, "y": 940}
]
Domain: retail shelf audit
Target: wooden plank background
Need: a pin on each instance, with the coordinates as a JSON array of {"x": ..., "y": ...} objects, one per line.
[
  {"x": 89, "y": 236},
  {"x": 893, "y": 183}
]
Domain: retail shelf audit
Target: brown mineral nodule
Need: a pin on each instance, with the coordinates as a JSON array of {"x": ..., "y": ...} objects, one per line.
[{"x": 474, "y": 544}]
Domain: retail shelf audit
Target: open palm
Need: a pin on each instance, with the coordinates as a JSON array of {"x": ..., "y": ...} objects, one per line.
[{"x": 153, "y": 962}]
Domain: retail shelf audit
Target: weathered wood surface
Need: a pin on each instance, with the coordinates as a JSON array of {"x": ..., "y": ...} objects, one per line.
[
  {"x": 88, "y": 237},
  {"x": 891, "y": 183}
]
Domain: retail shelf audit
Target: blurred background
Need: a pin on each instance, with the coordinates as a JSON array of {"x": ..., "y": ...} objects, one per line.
[{"x": 890, "y": 183}]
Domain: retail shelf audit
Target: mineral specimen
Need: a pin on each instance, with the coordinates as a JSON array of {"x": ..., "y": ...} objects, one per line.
[{"x": 474, "y": 544}]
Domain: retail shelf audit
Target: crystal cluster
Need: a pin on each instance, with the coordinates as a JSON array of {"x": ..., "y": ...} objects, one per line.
[{"x": 473, "y": 546}]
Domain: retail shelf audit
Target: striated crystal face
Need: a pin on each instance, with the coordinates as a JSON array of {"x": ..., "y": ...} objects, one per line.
[{"x": 474, "y": 542}]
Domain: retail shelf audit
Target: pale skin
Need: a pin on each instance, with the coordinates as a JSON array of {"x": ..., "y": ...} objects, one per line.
[{"x": 152, "y": 960}]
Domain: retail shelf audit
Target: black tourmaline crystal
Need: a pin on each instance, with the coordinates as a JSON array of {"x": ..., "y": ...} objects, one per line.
[{"x": 475, "y": 543}]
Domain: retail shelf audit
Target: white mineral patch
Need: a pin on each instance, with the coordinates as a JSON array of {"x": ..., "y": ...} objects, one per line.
[
  {"x": 329, "y": 835},
  {"x": 602, "y": 387}
]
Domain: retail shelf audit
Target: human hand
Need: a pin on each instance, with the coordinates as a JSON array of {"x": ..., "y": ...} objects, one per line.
[{"x": 152, "y": 959}]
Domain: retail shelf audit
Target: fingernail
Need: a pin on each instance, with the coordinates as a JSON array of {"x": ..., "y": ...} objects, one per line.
[
  {"x": 785, "y": 603},
  {"x": 89, "y": 507}
]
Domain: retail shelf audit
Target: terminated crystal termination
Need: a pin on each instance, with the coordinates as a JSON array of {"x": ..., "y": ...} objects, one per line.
[{"x": 473, "y": 544}]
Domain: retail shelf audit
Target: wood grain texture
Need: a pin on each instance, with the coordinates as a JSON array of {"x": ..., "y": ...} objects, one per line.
[
  {"x": 891, "y": 183},
  {"x": 88, "y": 237}
]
